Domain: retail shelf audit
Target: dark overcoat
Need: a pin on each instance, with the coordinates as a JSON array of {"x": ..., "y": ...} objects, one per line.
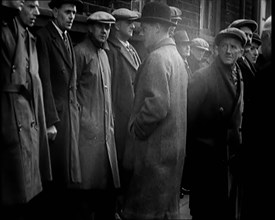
[
  {"x": 24, "y": 152},
  {"x": 58, "y": 76},
  {"x": 97, "y": 146},
  {"x": 214, "y": 123},
  {"x": 154, "y": 155},
  {"x": 123, "y": 69}
]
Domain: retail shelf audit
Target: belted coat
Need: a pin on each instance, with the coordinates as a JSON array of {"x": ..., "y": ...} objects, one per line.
[
  {"x": 155, "y": 151},
  {"x": 98, "y": 155},
  {"x": 58, "y": 76},
  {"x": 24, "y": 157},
  {"x": 123, "y": 71}
]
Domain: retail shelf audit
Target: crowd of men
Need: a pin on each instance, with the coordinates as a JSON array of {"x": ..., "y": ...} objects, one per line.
[{"x": 96, "y": 131}]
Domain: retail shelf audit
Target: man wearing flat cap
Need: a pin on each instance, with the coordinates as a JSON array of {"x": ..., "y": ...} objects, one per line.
[
  {"x": 124, "y": 62},
  {"x": 175, "y": 17},
  {"x": 198, "y": 47},
  {"x": 253, "y": 53},
  {"x": 97, "y": 147},
  {"x": 215, "y": 103},
  {"x": 58, "y": 76},
  {"x": 154, "y": 153}
]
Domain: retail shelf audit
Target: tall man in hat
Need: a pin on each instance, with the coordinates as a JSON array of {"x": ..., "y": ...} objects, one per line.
[
  {"x": 58, "y": 75},
  {"x": 97, "y": 147},
  {"x": 215, "y": 105},
  {"x": 124, "y": 63},
  {"x": 154, "y": 153},
  {"x": 24, "y": 152}
]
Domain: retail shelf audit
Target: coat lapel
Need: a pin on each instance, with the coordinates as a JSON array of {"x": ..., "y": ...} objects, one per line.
[{"x": 58, "y": 43}]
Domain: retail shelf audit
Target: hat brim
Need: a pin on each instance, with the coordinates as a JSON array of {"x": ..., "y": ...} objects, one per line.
[
  {"x": 222, "y": 36},
  {"x": 154, "y": 19},
  {"x": 57, "y": 4}
]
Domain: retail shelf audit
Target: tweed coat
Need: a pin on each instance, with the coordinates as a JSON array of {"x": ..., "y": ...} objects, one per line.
[
  {"x": 215, "y": 109},
  {"x": 24, "y": 152},
  {"x": 97, "y": 146},
  {"x": 58, "y": 76},
  {"x": 123, "y": 70},
  {"x": 154, "y": 155}
]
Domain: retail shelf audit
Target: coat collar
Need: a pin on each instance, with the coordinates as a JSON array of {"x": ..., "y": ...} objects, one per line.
[
  {"x": 58, "y": 43},
  {"x": 121, "y": 48},
  {"x": 164, "y": 42}
]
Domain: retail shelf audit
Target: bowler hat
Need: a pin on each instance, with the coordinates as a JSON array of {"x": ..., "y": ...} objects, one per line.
[
  {"x": 181, "y": 37},
  {"x": 256, "y": 39},
  {"x": 231, "y": 33},
  {"x": 244, "y": 23},
  {"x": 200, "y": 43},
  {"x": 175, "y": 13},
  {"x": 57, "y": 3},
  {"x": 125, "y": 14},
  {"x": 156, "y": 12},
  {"x": 101, "y": 17}
]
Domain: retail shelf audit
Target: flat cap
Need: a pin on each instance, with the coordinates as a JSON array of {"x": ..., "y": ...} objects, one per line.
[
  {"x": 175, "y": 13},
  {"x": 256, "y": 39},
  {"x": 239, "y": 23},
  {"x": 181, "y": 37},
  {"x": 125, "y": 14},
  {"x": 231, "y": 33},
  {"x": 101, "y": 17},
  {"x": 267, "y": 24},
  {"x": 200, "y": 43},
  {"x": 57, "y": 3}
]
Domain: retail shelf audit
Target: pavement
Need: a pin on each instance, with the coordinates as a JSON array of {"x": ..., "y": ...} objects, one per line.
[{"x": 184, "y": 208}]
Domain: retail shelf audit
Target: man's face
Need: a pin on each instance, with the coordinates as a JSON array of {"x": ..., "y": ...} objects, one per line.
[
  {"x": 17, "y": 4},
  {"x": 125, "y": 28},
  {"x": 198, "y": 53},
  {"x": 184, "y": 49},
  {"x": 252, "y": 53},
  {"x": 64, "y": 16},
  {"x": 148, "y": 32},
  {"x": 229, "y": 50},
  {"x": 100, "y": 31},
  {"x": 249, "y": 34},
  {"x": 29, "y": 12}
]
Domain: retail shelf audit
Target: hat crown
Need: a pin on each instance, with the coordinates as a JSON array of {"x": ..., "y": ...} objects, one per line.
[
  {"x": 58, "y": 3},
  {"x": 101, "y": 17},
  {"x": 200, "y": 43},
  {"x": 125, "y": 13},
  {"x": 156, "y": 11},
  {"x": 239, "y": 23},
  {"x": 175, "y": 13}
]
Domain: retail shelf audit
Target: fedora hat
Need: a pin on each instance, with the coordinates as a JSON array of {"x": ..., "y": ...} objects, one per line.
[
  {"x": 239, "y": 23},
  {"x": 231, "y": 33},
  {"x": 57, "y": 3},
  {"x": 181, "y": 37},
  {"x": 156, "y": 12}
]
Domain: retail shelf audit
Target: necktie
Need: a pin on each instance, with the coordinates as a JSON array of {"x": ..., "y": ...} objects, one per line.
[
  {"x": 133, "y": 54},
  {"x": 235, "y": 76},
  {"x": 67, "y": 44}
]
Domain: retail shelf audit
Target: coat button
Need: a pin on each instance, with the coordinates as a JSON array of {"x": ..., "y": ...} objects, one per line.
[
  {"x": 221, "y": 109},
  {"x": 19, "y": 127}
]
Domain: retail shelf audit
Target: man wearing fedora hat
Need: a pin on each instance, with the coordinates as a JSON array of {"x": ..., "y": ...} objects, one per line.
[
  {"x": 155, "y": 149},
  {"x": 124, "y": 62},
  {"x": 183, "y": 46},
  {"x": 97, "y": 147},
  {"x": 215, "y": 105},
  {"x": 58, "y": 75}
]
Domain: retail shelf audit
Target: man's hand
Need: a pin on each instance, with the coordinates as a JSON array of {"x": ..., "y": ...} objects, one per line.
[{"x": 51, "y": 131}]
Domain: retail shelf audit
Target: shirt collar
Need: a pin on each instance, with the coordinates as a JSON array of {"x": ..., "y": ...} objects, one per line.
[{"x": 59, "y": 30}]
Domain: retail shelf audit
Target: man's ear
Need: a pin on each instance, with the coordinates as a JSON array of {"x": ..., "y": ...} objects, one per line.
[
  {"x": 55, "y": 12},
  {"x": 241, "y": 52},
  {"x": 117, "y": 26}
]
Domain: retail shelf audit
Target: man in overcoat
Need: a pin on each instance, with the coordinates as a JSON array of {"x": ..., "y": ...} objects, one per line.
[
  {"x": 97, "y": 147},
  {"x": 215, "y": 106},
  {"x": 154, "y": 154},
  {"x": 24, "y": 156},
  {"x": 124, "y": 62},
  {"x": 57, "y": 69}
]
